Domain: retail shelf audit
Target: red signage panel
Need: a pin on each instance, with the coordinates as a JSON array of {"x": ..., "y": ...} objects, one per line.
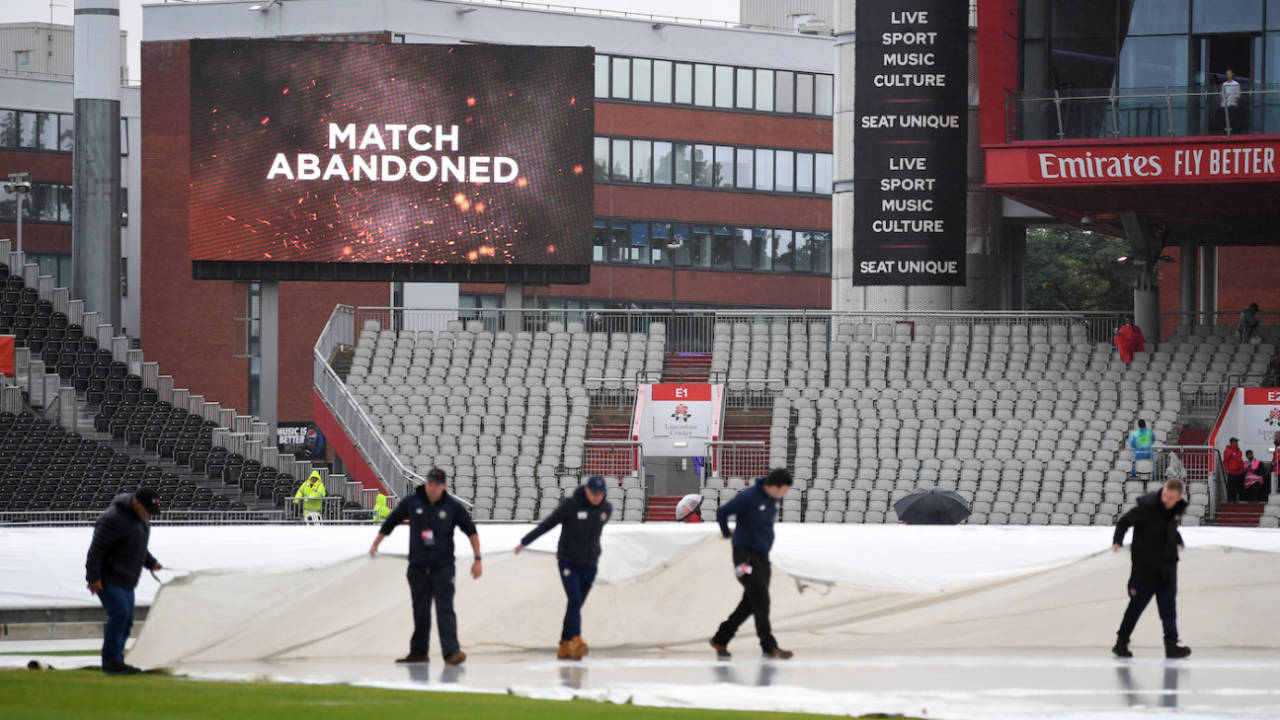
[
  {"x": 1262, "y": 396},
  {"x": 670, "y": 392},
  {"x": 1134, "y": 164}
]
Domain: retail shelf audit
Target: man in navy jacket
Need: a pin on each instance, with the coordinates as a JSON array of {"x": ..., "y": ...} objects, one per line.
[
  {"x": 581, "y": 518},
  {"x": 113, "y": 565},
  {"x": 433, "y": 514},
  {"x": 756, "y": 509}
]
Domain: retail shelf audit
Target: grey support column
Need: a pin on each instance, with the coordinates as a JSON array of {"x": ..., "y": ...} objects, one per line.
[
  {"x": 1187, "y": 282},
  {"x": 513, "y": 299},
  {"x": 843, "y": 295},
  {"x": 95, "y": 219},
  {"x": 269, "y": 358},
  {"x": 1209, "y": 284},
  {"x": 1145, "y": 245}
]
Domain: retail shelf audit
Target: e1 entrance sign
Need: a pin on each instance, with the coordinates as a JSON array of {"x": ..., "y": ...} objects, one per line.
[{"x": 910, "y": 101}]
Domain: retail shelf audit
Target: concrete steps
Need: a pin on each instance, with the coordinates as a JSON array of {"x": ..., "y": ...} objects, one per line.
[{"x": 1238, "y": 514}]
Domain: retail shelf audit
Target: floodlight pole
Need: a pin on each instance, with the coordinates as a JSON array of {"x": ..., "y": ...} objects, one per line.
[{"x": 269, "y": 358}]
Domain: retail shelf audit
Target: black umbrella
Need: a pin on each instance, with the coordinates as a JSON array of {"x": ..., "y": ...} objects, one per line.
[{"x": 932, "y": 506}]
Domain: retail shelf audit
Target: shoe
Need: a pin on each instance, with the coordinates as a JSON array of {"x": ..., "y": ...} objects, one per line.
[
  {"x": 1173, "y": 650},
  {"x": 455, "y": 658},
  {"x": 1121, "y": 648},
  {"x": 779, "y": 654},
  {"x": 577, "y": 648},
  {"x": 414, "y": 657},
  {"x": 119, "y": 667},
  {"x": 722, "y": 650},
  {"x": 565, "y": 650}
]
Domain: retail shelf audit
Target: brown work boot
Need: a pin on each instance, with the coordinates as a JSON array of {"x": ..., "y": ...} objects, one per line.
[
  {"x": 456, "y": 658},
  {"x": 779, "y": 654},
  {"x": 577, "y": 648},
  {"x": 566, "y": 650},
  {"x": 413, "y": 657},
  {"x": 722, "y": 650}
]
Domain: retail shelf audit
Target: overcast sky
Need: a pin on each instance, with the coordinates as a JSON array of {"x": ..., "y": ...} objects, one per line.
[{"x": 131, "y": 14}]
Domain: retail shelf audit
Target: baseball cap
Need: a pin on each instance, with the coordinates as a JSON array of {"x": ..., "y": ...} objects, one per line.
[
  {"x": 436, "y": 475},
  {"x": 149, "y": 499},
  {"x": 596, "y": 483}
]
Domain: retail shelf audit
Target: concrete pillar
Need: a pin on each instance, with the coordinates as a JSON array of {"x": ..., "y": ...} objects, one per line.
[
  {"x": 269, "y": 358},
  {"x": 95, "y": 226},
  {"x": 1187, "y": 282},
  {"x": 513, "y": 299},
  {"x": 1208, "y": 285},
  {"x": 1145, "y": 246}
]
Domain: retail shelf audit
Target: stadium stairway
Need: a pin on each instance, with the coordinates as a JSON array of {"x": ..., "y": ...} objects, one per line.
[
  {"x": 1238, "y": 514},
  {"x": 686, "y": 367},
  {"x": 661, "y": 508}
]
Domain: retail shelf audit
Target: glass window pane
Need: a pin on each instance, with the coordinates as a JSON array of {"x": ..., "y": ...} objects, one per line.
[
  {"x": 639, "y": 250},
  {"x": 724, "y": 86},
  {"x": 700, "y": 255},
  {"x": 663, "y": 163},
  {"x": 8, "y": 128},
  {"x": 48, "y": 128},
  {"x": 702, "y": 159},
  {"x": 599, "y": 241},
  {"x": 1153, "y": 62},
  {"x": 745, "y": 177},
  {"x": 124, "y": 136},
  {"x": 8, "y": 204},
  {"x": 804, "y": 172},
  {"x": 641, "y": 80},
  {"x": 783, "y": 251},
  {"x": 1273, "y": 14},
  {"x": 30, "y": 211},
  {"x": 822, "y": 173},
  {"x": 1033, "y": 18},
  {"x": 822, "y": 252},
  {"x": 804, "y": 93},
  {"x": 641, "y": 161},
  {"x": 621, "y": 78},
  {"x": 764, "y": 169},
  {"x": 27, "y": 129},
  {"x": 1226, "y": 16},
  {"x": 804, "y": 250},
  {"x": 746, "y": 88},
  {"x": 67, "y": 132},
  {"x": 722, "y": 247},
  {"x": 684, "y": 83},
  {"x": 662, "y": 81},
  {"x": 619, "y": 241},
  {"x": 64, "y": 203},
  {"x": 45, "y": 199},
  {"x": 684, "y": 163},
  {"x": 822, "y": 97},
  {"x": 602, "y": 158},
  {"x": 621, "y": 160},
  {"x": 661, "y": 242},
  {"x": 761, "y": 249},
  {"x": 742, "y": 249},
  {"x": 1157, "y": 17},
  {"x": 724, "y": 166},
  {"x": 784, "y": 90},
  {"x": 602, "y": 76},
  {"x": 764, "y": 90},
  {"x": 702, "y": 85},
  {"x": 784, "y": 170},
  {"x": 682, "y": 244}
]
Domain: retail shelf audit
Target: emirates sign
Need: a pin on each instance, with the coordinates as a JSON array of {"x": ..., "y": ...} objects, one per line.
[{"x": 1133, "y": 164}]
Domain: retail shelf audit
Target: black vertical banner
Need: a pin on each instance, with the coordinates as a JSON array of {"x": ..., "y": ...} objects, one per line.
[{"x": 910, "y": 107}]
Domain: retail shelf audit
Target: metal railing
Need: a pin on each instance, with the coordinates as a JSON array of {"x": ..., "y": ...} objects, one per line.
[
  {"x": 1116, "y": 113},
  {"x": 616, "y": 458},
  {"x": 1202, "y": 465},
  {"x": 737, "y": 458}
]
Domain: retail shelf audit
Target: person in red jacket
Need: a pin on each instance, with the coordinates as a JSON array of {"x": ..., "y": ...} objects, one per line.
[{"x": 1233, "y": 466}]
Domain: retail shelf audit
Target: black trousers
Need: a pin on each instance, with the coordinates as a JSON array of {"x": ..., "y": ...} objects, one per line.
[
  {"x": 1140, "y": 594},
  {"x": 753, "y": 571},
  {"x": 427, "y": 585},
  {"x": 1235, "y": 487}
]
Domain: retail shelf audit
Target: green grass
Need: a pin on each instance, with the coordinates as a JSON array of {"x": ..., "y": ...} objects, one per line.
[{"x": 50, "y": 694}]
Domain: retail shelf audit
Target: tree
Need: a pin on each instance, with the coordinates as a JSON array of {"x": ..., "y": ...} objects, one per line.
[{"x": 1069, "y": 269}]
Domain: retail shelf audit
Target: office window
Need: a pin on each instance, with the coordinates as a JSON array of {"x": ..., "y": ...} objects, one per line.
[
  {"x": 784, "y": 91},
  {"x": 745, "y": 177},
  {"x": 663, "y": 162},
  {"x": 761, "y": 249},
  {"x": 602, "y": 76},
  {"x": 602, "y": 158},
  {"x": 724, "y": 86},
  {"x": 662, "y": 81},
  {"x": 684, "y": 83},
  {"x": 124, "y": 136},
  {"x": 821, "y": 244},
  {"x": 822, "y": 173},
  {"x": 721, "y": 247},
  {"x": 619, "y": 242},
  {"x": 703, "y": 156},
  {"x": 621, "y": 87},
  {"x": 58, "y": 266},
  {"x": 8, "y": 128},
  {"x": 661, "y": 254},
  {"x": 746, "y": 86},
  {"x": 742, "y": 249},
  {"x": 702, "y": 89},
  {"x": 804, "y": 172},
  {"x": 67, "y": 132},
  {"x": 642, "y": 80},
  {"x": 764, "y": 90},
  {"x": 700, "y": 255},
  {"x": 641, "y": 161},
  {"x": 822, "y": 96},
  {"x": 724, "y": 166},
  {"x": 621, "y": 160},
  {"x": 764, "y": 169},
  {"x": 639, "y": 250},
  {"x": 684, "y": 163},
  {"x": 64, "y": 205},
  {"x": 28, "y": 136},
  {"x": 784, "y": 170},
  {"x": 783, "y": 250},
  {"x": 682, "y": 245},
  {"x": 600, "y": 241},
  {"x": 804, "y": 252},
  {"x": 804, "y": 93},
  {"x": 47, "y": 130}
]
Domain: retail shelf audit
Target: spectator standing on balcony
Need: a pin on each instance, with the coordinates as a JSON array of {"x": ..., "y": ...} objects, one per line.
[
  {"x": 433, "y": 515},
  {"x": 1230, "y": 102},
  {"x": 1248, "y": 323},
  {"x": 581, "y": 518},
  {"x": 1141, "y": 440},
  {"x": 116, "y": 557},
  {"x": 1254, "y": 489},
  {"x": 1154, "y": 555},
  {"x": 311, "y": 493},
  {"x": 1233, "y": 466}
]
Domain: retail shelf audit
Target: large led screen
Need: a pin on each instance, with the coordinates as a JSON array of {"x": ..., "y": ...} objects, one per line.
[{"x": 310, "y": 152}]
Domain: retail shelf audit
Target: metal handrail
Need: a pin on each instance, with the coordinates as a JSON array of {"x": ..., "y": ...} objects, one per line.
[{"x": 1215, "y": 480}]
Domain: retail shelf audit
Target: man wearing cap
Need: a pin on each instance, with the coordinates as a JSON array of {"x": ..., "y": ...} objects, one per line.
[
  {"x": 116, "y": 557},
  {"x": 433, "y": 515},
  {"x": 1233, "y": 466},
  {"x": 581, "y": 518}
]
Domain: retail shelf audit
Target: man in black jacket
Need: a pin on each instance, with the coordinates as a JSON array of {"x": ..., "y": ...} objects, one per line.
[
  {"x": 756, "y": 509},
  {"x": 433, "y": 514},
  {"x": 1154, "y": 519},
  {"x": 116, "y": 557},
  {"x": 581, "y": 518}
]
